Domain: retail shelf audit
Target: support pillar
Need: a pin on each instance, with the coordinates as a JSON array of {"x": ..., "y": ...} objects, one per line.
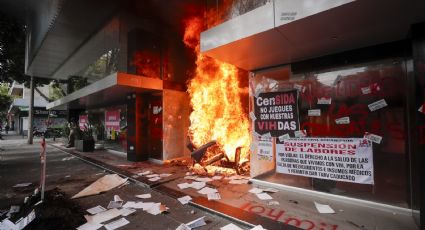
[
  {"x": 31, "y": 112},
  {"x": 137, "y": 130}
]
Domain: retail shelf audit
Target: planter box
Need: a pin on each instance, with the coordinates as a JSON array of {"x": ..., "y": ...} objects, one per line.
[{"x": 84, "y": 145}]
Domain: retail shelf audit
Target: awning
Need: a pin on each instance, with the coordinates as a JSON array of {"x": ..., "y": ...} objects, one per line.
[{"x": 111, "y": 90}]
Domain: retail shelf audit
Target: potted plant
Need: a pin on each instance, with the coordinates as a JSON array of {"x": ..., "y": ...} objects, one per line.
[{"x": 85, "y": 141}]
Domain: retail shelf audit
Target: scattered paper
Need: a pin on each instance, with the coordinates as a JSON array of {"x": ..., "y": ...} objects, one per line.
[
  {"x": 377, "y": 105},
  {"x": 252, "y": 116},
  {"x": 190, "y": 177},
  {"x": 152, "y": 175},
  {"x": 342, "y": 121},
  {"x": 144, "y": 196},
  {"x": 214, "y": 196},
  {"x": 156, "y": 208},
  {"x": 238, "y": 181},
  {"x": 67, "y": 158},
  {"x": 255, "y": 190},
  {"x": 366, "y": 90},
  {"x": 217, "y": 177},
  {"x": 264, "y": 196},
  {"x": 164, "y": 174},
  {"x": 116, "y": 224},
  {"x": 272, "y": 190},
  {"x": 189, "y": 173},
  {"x": 197, "y": 223},
  {"x": 183, "y": 227},
  {"x": 117, "y": 198},
  {"x": 103, "y": 184},
  {"x": 184, "y": 199},
  {"x": 323, "y": 208},
  {"x": 22, "y": 185},
  {"x": 23, "y": 222},
  {"x": 230, "y": 227},
  {"x": 273, "y": 203},
  {"x": 300, "y": 133},
  {"x": 374, "y": 138},
  {"x": 154, "y": 179},
  {"x": 96, "y": 210},
  {"x": 258, "y": 227},
  {"x": 314, "y": 112},
  {"x": 207, "y": 190},
  {"x": 284, "y": 137},
  {"x": 103, "y": 216},
  {"x": 127, "y": 211},
  {"x": 144, "y": 173},
  {"x": 324, "y": 100},
  {"x": 115, "y": 204},
  {"x": 183, "y": 185},
  {"x": 147, "y": 205},
  {"x": 204, "y": 179},
  {"x": 130, "y": 204},
  {"x": 90, "y": 226},
  {"x": 198, "y": 185}
]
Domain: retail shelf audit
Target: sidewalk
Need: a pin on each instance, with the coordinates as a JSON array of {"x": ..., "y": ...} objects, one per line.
[{"x": 293, "y": 209}]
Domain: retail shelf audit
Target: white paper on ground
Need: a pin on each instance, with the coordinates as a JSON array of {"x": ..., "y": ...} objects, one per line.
[
  {"x": 314, "y": 113},
  {"x": 103, "y": 184},
  {"x": 342, "y": 121},
  {"x": 204, "y": 179},
  {"x": 154, "y": 179},
  {"x": 323, "y": 208},
  {"x": 214, "y": 196},
  {"x": 144, "y": 173},
  {"x": 156, "y": 208},
  {"x": 116, "y": 224},
  {"x": 255, "y": 190},
  {"x": 198, "y": 185},
  {"x": 197, "y": 223},
  {"x": 117, "y": 198},
  {"x": 184, "y": 199},
  {"x": 152, "y": 175},
  {"x": 230, "y": 227},
  {"x": 238, "y": 182},
  {"x": 217, "y": 177},
  {"x": 96, "y": 210},
  {"x": 374, "y": 138},
  {"x": 258, "y": 227},
  {"x": 190, "y": 177},
  {"x": 264, "y": 196},
  {"x": 164, "y": 174},
  {"x": 324, "y": 100},
  {"x": 103, "y": 216},
  {"x": 147, "y": 205},
  {"x": 183, "y": 185},
  {"x": 377, "y": 105},
  {"x": 22, "y": 185},
  {"x": 129, "y": 204},
  {"x": 144, "y": 196},
  {"x": 127, "y": 211},
  {"x": 273, "y": 190},
  {"x": 183, "y": 227},
  {"x": 273, "y": 202},
  {"x": 90, "y": 226},
  {"x": 115, "y": 204},
  {"x": 207, "y": 190}
]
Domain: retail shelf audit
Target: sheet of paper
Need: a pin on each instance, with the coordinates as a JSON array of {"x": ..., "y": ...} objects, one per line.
[
  {"x": 374, "y": 138},
  {"x": 323, "y": 208},
  {"x": 273, "y": 203},
  {"x": 96, "y": 210},
  {"x": 164, "y": 174},
  {"x": 144, "y": 196},
  {"x": 214, "y": 196},
  {"x": 154, "y": 179},
  {"x": 183, "y": 185},
  {"x": 230, "y": 227},
  {"x": 147, "y": 205},
  {"x": 300, "y": 133},
  {"x": 264, "y": 196},
  {"x": 127, "y": 211},
  {"x": 103, "y": 184},
  {"x": 207, "y": 190},
  {"x": 184, "y": 199},
  {"x": 366, "y": 90},
  {"x": 258, "y": 227},
  {"x": 190, "y": 177},
  {"x": 238, "y": 182},
  {"x": 129, "y": 204},
  {"x": 342, "y": 121},
  {"x": 90, "y": 226},
  {"x": 324, "y": 101},
  {"x": 103, "y": 216},
  {"x": 252, "y": 116},
  {"x": 284, "y": 137},
  {"x": 198, "y": 185},
  {"x": 117, "y": 198},
  {"x": 255, "y": 190},
  {"x": 22, "y": 185},
  {"x": 116, "y": 224},
  {"x": 197, "y": 223},
  {"x": 204, "y": 179},
  {"x": 314, "y": 112},
  {"x": 155, "y": 209},
  {"x": 377, "y": 105},
  {"x": 152, "y": 175},
  {"x": 115, "y": 204},
  {"x": 217, "y": 177},
  {"x": 183, "y": 227},
  {"x": 144, "y": 173}
]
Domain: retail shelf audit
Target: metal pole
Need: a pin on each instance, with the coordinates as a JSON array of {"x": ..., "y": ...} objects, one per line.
[
  {"x": 43, "y": 159},
  {"x": 31, "y": 112}
]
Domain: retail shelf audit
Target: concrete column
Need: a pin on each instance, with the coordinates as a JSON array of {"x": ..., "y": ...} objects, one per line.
[
  {"x": 137, "y": 128},
  {"x": 31, "y": 112}
]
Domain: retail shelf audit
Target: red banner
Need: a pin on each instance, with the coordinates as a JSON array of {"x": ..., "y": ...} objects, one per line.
[
  {"x": 112, "y": 120},
  {"x": 82, "y": 121}
]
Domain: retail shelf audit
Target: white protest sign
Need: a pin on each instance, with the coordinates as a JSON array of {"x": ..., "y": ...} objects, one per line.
[
  {"x": 339, "y": 159},
  {"x": 265, "y": 150}
]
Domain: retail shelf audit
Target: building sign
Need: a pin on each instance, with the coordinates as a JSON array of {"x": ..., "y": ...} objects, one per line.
[
  {"x": 52, "y": 113},
  {"x": 112, "y": 120},
  {"x": 82, "y": 121},
  {"x": 276, "y": 113},
  {"x": 339, "y": 159}
]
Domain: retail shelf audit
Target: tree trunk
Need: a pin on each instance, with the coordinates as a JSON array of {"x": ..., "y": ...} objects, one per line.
[{"x": 31, "y": 112}]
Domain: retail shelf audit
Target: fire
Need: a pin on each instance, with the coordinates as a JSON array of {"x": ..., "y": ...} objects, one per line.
[{"x": 215, "y": 97}]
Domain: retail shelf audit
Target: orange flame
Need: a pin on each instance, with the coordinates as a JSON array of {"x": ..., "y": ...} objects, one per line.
[{"x": 215, "y": 97}]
